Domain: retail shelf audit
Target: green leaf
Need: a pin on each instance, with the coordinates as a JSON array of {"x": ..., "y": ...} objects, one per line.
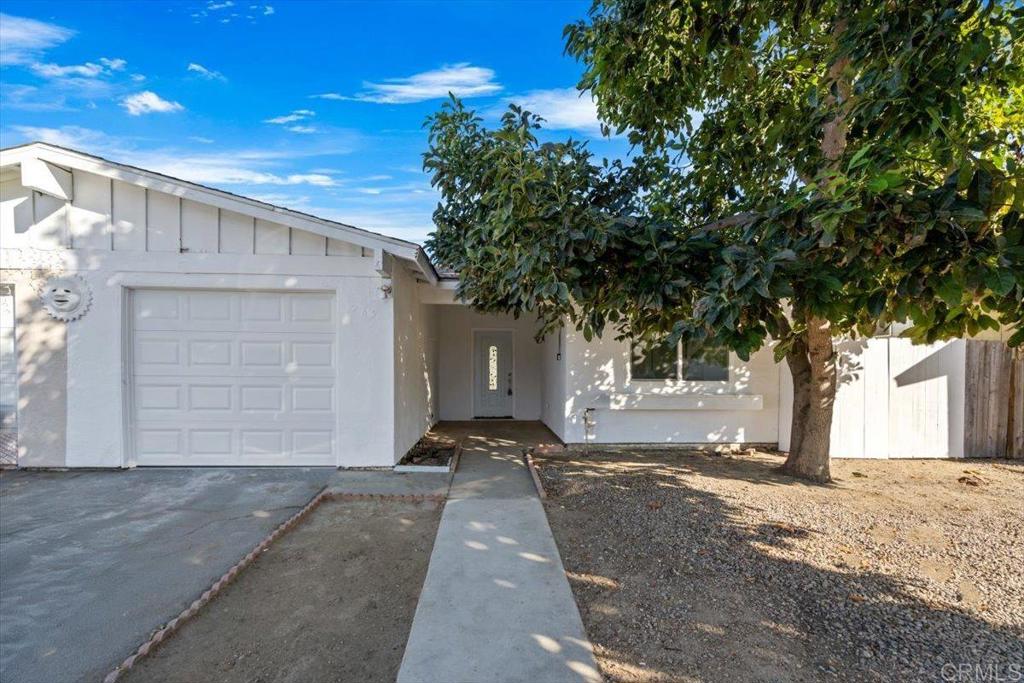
[
  {"x": 860, "y": 158},
  {"x": 878, "y": 184},
  {"x": 950, "y": 291},
  {"x": 876, "y": 304},
  {"x": 1000, "y": 281}
]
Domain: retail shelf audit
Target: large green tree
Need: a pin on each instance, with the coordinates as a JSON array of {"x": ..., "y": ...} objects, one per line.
[{"x": 801, "y": 171}]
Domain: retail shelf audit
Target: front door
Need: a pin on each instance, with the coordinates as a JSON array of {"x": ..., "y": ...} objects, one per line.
[{"x": 493, "y": 374}]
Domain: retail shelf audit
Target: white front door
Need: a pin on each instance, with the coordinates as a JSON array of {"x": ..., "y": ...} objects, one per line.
[
  {"x": 233, "y": 377},
  {"x": 493, "y": 374}
]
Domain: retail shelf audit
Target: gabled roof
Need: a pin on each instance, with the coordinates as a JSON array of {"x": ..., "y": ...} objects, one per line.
[{"x": 64, "y": 158}]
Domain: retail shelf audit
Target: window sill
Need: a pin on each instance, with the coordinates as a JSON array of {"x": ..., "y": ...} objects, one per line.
[{"x": 644, "y": 401}]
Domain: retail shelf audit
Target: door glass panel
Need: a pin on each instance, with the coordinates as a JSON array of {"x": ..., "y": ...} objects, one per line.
[{"x": 492, "y": 368}]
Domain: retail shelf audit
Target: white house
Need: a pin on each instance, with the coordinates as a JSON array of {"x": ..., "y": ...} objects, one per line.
[{"x": 150, "y": 321}]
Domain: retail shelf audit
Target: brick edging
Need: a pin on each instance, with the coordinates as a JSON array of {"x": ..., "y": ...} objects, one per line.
[
  {"x": 530, "y": 465},
  {"x": 175, "y": 624}
]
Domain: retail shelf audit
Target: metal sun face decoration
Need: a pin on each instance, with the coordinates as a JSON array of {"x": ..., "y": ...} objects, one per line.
[{"x": 66, "y": 297}]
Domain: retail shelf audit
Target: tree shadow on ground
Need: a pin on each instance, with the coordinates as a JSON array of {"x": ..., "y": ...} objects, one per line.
[{"x": 701, "y": 567}]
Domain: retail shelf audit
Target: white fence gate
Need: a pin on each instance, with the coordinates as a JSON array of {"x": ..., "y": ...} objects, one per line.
[{"x": 895, "y": 400}]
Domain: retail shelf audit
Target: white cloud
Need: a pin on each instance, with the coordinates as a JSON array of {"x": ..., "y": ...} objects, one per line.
[
  {"x": 240, "y": 167},
  {"x": 147, "y": 102},
  {"x": 54, "y": 94},
  {"x": 22, "y": 40},
  {"x": 29, "y": 98},
  {"x": 561, "y": 108},
  {"x": 302, "y": 129},
  {"x": 330, "y": 96},
  {"x": 115, "y": 64},
  {"x": 296, "y": 115},
  {"x": 66, "y": 136},
  {"x": 138, "y": 78},
  {"x": 214, "y": 6},
  {"x": 87, "y": 70},
  {"x": 201, "y": 140},
  {"x": 462, "y": 80},
  {"x": 267, "y": 10},
  {"x": 208, "y": 74},
  {"x": 105, "y": 67}
]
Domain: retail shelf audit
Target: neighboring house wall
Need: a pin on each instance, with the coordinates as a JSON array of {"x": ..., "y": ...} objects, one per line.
[
  {"x": 553, "y": 374},
  {"x": 415, "y": 345},
  {"x": 41, "y": 346},
  {"x": 455, "y": 325},
  {"x": 895, "y": 400},
  {"x": 742, "y": 410},
  {"x": 119, "y": 236}
]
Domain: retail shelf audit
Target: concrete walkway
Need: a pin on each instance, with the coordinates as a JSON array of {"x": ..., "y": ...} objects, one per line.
[{"x": 496, "y": 605}]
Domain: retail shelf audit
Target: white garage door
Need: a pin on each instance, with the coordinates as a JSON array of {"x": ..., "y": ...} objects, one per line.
[{"x": 233, "y": 378}]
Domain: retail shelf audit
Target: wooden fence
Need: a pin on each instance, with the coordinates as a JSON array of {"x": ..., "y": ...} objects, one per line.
[
  {"x": 993, "y": 401},
  {"x": 961, "y": 398}
]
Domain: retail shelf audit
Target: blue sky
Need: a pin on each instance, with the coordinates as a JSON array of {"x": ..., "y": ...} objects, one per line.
[{"x": 315, "y": 106}]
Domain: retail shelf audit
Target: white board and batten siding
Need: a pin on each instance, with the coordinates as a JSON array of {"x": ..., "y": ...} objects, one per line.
[{"x": 111, "y": 215}]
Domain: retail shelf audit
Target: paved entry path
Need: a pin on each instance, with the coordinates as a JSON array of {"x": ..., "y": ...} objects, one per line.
[{"x": 496, "y": 605}]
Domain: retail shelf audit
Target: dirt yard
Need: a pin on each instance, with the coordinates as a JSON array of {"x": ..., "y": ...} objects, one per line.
[
  {"x": 333, "y": 600},
  {"x": 700, "y": 567}
]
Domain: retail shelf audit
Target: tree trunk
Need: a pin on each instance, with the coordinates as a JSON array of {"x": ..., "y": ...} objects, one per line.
[
  {"x": 814, "y": 374},
  {"x": 800, "y": 369},
  {"x": 811, "y": 459}
]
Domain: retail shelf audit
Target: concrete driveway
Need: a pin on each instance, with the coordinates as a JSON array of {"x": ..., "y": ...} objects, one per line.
[{"x": 92, "y": 562}]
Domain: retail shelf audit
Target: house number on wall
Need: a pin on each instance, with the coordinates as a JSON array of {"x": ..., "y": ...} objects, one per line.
[{"x": 66, "y": 298}]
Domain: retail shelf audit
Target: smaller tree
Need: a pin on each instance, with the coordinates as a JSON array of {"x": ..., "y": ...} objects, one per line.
[{"x": 853, "y": 165}]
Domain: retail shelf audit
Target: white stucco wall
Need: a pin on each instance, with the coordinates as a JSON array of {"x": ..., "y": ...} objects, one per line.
[
  {"x": 895, "y": 400},
  {"x": 40, "y": 375},
  {"x": 455, "y": 325},
  {"x": 118, "y": 237},
  {"x": 415, "y": 345},
  {"x": 743, "y": 410},
  {"x": 553, "y": 378}
]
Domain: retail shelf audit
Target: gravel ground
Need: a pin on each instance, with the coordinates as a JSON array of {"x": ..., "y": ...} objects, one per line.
[
  {"x": 690, "y": 566},
  {"x": 332, "y": 600}
]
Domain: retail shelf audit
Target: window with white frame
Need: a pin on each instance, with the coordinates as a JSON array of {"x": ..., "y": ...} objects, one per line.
[{"x": 683, "y": 361}]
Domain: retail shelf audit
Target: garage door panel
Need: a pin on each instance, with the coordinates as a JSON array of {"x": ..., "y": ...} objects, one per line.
[
  {"x": 157, "y": 351},
  {"x": 212, "y": 445},
  {"x": 311, "y": 309},
  {"x": 210, "y": 354},
  {"x": 232, "y": 353},
  {"x": 311, "y": 400},
  {"x": 262, "y": 442},
  {"x": 312, "y": 354},
  {"x": 163, "y": 310},
  {"x": 211, "y": 397},
  {"x": 262, "y": 354},
  {"x": 262, "y": 398},
  {"x": 292, "y": 400},
  {"x": 260, "y": 394},
  {"x": 157, "y": 397}
]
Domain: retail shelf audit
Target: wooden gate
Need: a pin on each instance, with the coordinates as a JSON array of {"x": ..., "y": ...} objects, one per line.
[{"x": 994, "y": 401}]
